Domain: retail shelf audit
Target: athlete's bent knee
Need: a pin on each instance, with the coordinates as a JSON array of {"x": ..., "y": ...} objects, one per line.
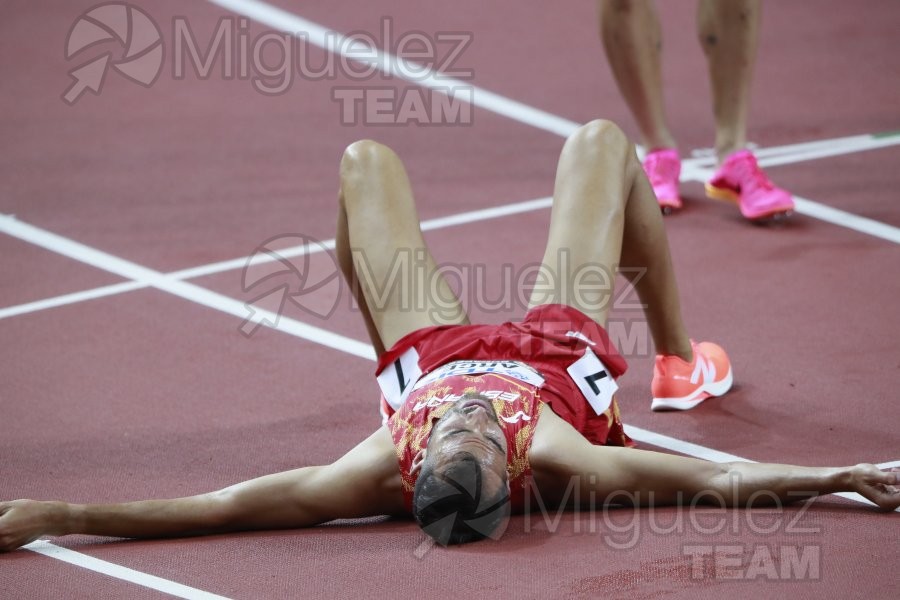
[
  {"x": 600, "y": 135},
  {"x": 364, "y": 156}
]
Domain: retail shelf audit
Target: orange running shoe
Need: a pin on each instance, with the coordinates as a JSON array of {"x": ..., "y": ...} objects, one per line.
[{"x": 680, "y": 385}]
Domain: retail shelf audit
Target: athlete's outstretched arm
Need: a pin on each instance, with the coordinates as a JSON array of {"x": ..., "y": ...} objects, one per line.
[
  {"x": 564, "y": 463},
  {"x": 364, "y": 482}
]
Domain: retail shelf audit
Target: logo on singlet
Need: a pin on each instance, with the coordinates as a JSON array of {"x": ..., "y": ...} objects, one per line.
[
  {"x": 435, "y": 401},
  {"x": 581, "y": 336}
]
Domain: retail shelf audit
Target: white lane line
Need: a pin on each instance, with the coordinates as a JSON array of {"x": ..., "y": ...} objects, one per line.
[
  {"x": 182, "y": 289},
  {"x": 398, "y": 67},
  {"x": 852, "y": 143},
  {"x": 805, "y": 206},
  {"x": 692, "y": 171},
  {"x": 485, "y": 214},
  {"x": 119, "y": 572},
  {"x": 696, "y": 450},
  {"x": 822, "y": 212},
  {"x": 680, "y": 446},
  {"x": 99, "y": 292},
  {"x": 829, "y": 150},
  {"x": 395, "y": 66},
  {"x": 258, "y": 259},
  {"x": 193, "y": 293},
  {"x": 848, "y": 220},
  {"x": 390, "y": 64},
  {"x": 857, "y": 498},
  {"x": 473, "y": 216}
]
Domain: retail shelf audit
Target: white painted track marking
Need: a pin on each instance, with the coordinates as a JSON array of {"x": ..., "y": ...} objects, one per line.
[{"x": 119, "y": 572}]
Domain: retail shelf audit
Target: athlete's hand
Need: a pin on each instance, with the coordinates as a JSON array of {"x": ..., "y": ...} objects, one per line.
[
  {"x": 881, "y": 487},
  {"x": 23, "y": 521}
]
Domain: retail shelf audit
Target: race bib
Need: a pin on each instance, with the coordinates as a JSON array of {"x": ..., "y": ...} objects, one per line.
[
  {"x": 397, "y": 379},
  {"x": 510, "y": 368},
  {"x": 594, "y": 380},
  {"x": 403, "y": 376}
]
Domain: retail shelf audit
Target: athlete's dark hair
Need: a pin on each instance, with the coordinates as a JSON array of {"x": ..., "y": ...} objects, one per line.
[{"x": 450, "y": 504}]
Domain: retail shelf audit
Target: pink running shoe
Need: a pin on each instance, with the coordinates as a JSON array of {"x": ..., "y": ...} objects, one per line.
[
  {"x": 663, "y": 168},
  {"x": 680, "y": 385},
  {"x": 740, "y": 180}
]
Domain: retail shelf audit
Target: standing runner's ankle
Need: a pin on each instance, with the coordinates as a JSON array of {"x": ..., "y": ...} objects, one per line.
[{"x": 726, "y": 149}]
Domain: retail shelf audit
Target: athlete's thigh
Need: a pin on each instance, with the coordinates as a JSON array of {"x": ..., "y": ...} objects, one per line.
[
  {"x": 585, "y": 238},
  {"x": 399, "y": 279}
]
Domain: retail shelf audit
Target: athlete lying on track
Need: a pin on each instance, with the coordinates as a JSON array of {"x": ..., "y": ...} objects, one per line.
[{"x": 489, "y": 417}]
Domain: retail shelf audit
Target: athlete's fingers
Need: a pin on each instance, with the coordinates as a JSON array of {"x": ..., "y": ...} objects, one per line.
[
  {"x": 887, "y": 499},
  {"x": 888, "y": 477},
  {"x": 895, "y": 471},
  {"x": 881, "y": 486}
]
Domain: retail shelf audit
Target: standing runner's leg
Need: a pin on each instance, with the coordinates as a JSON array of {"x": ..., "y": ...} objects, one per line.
[
  {"x": 605, "y": 214},
  {"x": 381, "y": 251},
  {"x": 728, "y": 33},
  {"x": 633, "y": 43}
]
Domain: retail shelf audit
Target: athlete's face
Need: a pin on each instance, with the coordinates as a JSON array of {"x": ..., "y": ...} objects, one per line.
[{"x": 470, "y": 427}]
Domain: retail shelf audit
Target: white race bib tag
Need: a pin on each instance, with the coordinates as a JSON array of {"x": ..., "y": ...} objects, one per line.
[
  {"x": 594, "y": 380},
  {"x": 510, "y": 368},
  {"x": 397, "y": 379}
]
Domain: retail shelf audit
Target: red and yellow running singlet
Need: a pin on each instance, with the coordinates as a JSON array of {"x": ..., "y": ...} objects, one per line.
[
  {"x": 555, "y": 356},
  {"x": 515, "y": 401}
]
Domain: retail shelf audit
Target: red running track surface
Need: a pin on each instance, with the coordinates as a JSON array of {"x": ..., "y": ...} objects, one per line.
[{"x": 145, "y": 394}]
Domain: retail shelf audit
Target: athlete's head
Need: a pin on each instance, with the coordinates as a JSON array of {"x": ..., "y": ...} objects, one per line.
[{"x": 462, "y": 493}]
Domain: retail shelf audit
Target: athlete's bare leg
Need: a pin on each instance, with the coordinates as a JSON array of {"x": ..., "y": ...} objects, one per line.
[
  {"x": 605, "y": 214},
  {"x": 633, "y": 42},
  {"x": 381, "y": 251},
  {"x": 728, "y": 32}
]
